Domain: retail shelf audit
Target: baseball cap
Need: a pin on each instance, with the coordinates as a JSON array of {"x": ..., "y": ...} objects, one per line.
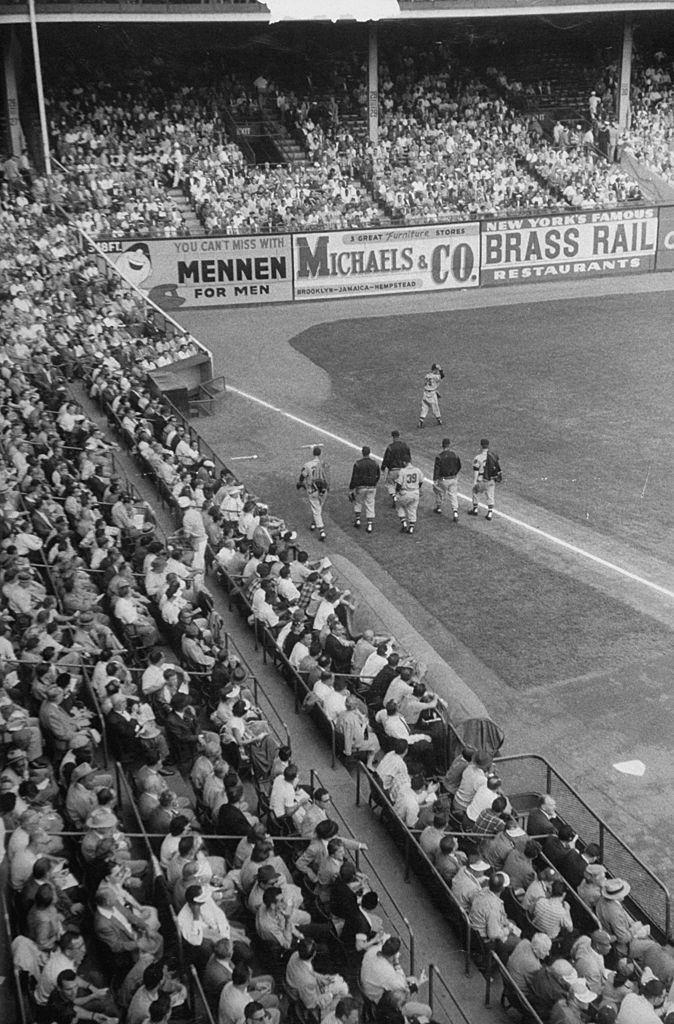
[{"x": 195, "y": 894}]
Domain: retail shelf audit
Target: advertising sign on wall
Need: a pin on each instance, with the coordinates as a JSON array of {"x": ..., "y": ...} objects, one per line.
[
  {"x": 665, "y": 259},
  {"x": 346, "y": 264},
  {"x": 193, "y": 272},
  {"x": 529, "y": 249}
]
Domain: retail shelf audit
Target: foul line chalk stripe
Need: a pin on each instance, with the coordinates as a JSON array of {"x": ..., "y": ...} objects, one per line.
[{"x": 550, "y": 537}]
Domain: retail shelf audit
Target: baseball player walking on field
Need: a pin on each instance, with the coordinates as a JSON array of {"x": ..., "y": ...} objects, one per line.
[
  {"x": 486, "y": 474},
  {"x": 314, "y": 480},
  {"x": 364, "y": 479},
  {"x": 445, "y": 471},
  {"x": 408, "y": 489},
  {"x": 395, "y": 457},
  {"x": 429, "y": 399}
]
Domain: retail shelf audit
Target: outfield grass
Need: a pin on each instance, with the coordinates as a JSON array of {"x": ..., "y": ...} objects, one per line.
[
  {"x": 575, "y": 395},
  {"x": 530, "y": 625}
]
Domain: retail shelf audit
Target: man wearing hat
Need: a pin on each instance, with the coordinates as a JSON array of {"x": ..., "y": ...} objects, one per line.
[
  {"x": 572, "y": 1009},
  {"x": 267, "y": 876},
  {"x": 201, "y": 924},
  {"x": 63, "y": 725},
  {"x": 549, "y": 985},
  {"x": 469, "y": 881},
  {"x": 592, "y": 884},
  {"x": 81, "y": 796},
  {"x": 615, "y": 919},
  {"x": 588, "y": 958},
  {"x": 103, "y": 825},
  {"x": 22, "y": 730}
]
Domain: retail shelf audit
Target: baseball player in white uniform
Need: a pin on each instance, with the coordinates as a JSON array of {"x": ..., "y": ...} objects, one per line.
[
  {"x": 486, "y": 474},
  {"x": 315, "y": 481},
  {"x": 429, "y": 399},
  {"x": 408, "y": 492}
]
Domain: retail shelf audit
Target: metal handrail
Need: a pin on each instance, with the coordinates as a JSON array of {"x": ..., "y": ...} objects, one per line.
[
  {"x": 507, "y": 977},
  {"x": 361, "y": 855},
  {"x": 435, "y": 978},
  {"x": 409, "y": 839},
  {"x": 604, "y": 830},
  {"x": 24, "y": 1015}
]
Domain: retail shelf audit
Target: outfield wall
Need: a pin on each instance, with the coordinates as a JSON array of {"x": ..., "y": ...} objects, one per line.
[{"x": 303, "y": 266}]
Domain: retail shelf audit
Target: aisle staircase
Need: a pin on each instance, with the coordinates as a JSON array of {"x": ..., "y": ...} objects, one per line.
[{"x": 194, "y": 226}]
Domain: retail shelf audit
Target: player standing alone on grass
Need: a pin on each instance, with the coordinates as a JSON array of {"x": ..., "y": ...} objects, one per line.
[
  {"x": 429, "y": 399},
  {"x": 445, "y": 471},
  {"x": 486, "y": 474},
  {"x": 408, "y": 489},
  {"x": 314, "y": 480}
]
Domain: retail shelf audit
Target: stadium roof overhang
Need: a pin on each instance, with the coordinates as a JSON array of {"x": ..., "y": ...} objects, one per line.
[
  {"x": 320, "y": 10},
  {"x": 313, "y": 10}
]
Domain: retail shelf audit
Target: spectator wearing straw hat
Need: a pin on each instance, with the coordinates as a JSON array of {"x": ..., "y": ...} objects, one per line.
[{"x": 615, "y": 919}]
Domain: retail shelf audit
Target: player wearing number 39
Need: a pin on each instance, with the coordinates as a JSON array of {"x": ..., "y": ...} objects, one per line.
[
  {"x": 486, "y": 474},
  {"x": 429, "y": 399},
  {"x": 408, "y": 491}
]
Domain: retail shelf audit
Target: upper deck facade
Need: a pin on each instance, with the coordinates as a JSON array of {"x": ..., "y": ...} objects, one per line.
[{"x": 253, "y": 11}]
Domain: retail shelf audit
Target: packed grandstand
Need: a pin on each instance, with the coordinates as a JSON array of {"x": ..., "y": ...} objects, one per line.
[{"x": 155, "y": 819}]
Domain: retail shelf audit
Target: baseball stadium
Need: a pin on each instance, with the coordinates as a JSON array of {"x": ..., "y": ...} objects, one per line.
[{"x": 266, "y": 758}]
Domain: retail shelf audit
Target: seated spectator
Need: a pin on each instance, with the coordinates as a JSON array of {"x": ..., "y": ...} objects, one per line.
[
  {"x": 551, "y": 914},
  {"x": 201, "y": 924},
  {"x": 542, "y": 820},
  {"x": 519, "y": 865},
  {"x": 314, "y": 991},
  {"x": 526, "y": 959},
  {"x": 575, "y": 1001},
  {"x": 469, "y": 880},
  {"x": 381, "y": 972},
  {"x": 488, "y": 917},
  {"x": 62, "y": 1004}
]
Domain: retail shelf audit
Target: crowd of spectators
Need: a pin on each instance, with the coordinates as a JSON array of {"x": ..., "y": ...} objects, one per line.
[
  {"x": 451, "y": 145},
  {"x": 109, "y": 639},
  {"x": 651, "y": 133},
  {"x": 109, "y": 634}
]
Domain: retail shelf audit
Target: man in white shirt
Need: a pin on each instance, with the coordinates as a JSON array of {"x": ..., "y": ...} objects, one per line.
[
  {"x": 300, "y": 651},
  {"x": 195, "y": 531},
  {"x": 381, "y": 972},
  {"x": 286, "y": 798},
  {"x": 201, "y": 924},
  {"x": 334, "y": 703}
]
